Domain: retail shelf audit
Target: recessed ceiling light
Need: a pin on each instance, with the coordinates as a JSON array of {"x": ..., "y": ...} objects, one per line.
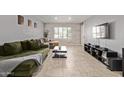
[
  {"x": 56, "y": 18},
  {"x": 69, "y": 18}
]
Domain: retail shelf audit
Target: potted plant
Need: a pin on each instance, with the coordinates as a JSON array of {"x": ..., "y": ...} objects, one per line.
[{"x": 45, "y": 34}]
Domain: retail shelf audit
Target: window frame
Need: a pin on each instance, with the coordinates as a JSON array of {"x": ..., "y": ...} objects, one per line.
[{"x": 63, "y": 30}]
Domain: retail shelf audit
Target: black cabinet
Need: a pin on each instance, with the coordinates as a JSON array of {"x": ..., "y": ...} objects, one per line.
[
  {"x": 106, "y": 56},
  {"x": 87, "y": 47},
  {"x": 109, "y": 55},
  {"x": 99, "y": 52},
  {"x": 93, "y": 51},
  {"x": 123, "y": 62},
  {"x": 115, "y": 64},
  {"x": 123, "y": 68}
]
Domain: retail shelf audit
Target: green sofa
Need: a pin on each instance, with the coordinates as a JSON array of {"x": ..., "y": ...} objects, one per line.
[
  {"x": 21, "y": 49},
  {"x": 26, "y": 68}
]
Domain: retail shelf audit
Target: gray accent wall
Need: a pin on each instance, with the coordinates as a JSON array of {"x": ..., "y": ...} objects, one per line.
[
  {"x": 116, "y": 41},
  {"x": 10, "y": 30}
]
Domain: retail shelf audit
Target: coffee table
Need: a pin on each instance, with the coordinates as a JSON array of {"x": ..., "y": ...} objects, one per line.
[{"x": 60, "y": 52}]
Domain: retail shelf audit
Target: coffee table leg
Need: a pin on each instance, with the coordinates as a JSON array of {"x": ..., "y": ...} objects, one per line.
[{"x": 54, "y": 55}]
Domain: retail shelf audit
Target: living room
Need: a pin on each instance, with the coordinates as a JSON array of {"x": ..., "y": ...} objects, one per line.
[
  {"x": 66, "y": 45},
  {"x": 24, "y": 33}
]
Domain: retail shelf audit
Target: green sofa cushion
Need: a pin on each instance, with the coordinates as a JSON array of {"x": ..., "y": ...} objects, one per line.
[
  {"x": 44, "y": 51},
  {"x": 26, "y": 73},
  {"x": 25, "y": 69},
  {"x": 25, "y": 45},
  {"x": 44, "y": 46},
  {"x": 34, "y": 44},
  {"x": 26, "y": 65},
  {"x": 2, "y": 51},
  {"x": 12, "y": 48}
]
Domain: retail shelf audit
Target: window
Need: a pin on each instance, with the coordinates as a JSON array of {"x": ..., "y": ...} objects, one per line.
[
  {"x": 103, "y": 31},
  {"x": 96, "y": 32},
  {"x": 99, "y": 32},
  {"x": 62, "y": 33},
  {"x": 56, "y": 32},
  {"x": 69, "y": 33}
]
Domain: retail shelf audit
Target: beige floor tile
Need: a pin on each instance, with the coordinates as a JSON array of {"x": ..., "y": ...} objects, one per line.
[{"x": 77, "y": 64}]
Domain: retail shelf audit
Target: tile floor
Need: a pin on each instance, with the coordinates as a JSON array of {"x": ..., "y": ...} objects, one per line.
[{"x": 77, "y": 64}]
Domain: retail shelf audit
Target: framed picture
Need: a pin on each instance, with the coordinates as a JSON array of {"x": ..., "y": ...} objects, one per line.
[
  {"x": 29, "y": 23},
  {"x": 35, "y": 25},
  {"x": 20, "y": 20}
]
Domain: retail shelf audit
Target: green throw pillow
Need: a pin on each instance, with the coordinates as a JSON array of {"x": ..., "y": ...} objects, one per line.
[
  {"x": 34, "y": 45},
  {"x": 26, "y": 65},
  {"x": 2, "y": 51},
  {"x": 12, "y": 48},
  {"x": 25, "y": 45}
]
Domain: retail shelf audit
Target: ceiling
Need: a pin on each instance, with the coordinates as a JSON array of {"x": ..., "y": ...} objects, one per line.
[{"x": 63, "y": 18}]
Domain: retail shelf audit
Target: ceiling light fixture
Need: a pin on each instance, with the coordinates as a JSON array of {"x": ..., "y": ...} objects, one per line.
[{"x": 56, "y": 18}]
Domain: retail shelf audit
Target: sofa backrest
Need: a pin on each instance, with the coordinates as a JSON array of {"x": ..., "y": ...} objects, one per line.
[
  {"x": 1, "y": 51},
  {"x": 12, "y": 48},
  {"x": 25, "y": 45},
  {"x": 20, "y": 46},
  {"x": 34, "y": 44}
]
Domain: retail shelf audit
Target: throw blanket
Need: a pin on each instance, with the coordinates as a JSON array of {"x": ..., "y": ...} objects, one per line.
[{"x": 6, "y": 66}]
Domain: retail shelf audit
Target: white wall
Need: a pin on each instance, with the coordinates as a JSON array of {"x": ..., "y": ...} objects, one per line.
[
  {"x": 76, "y": 32},
  {"x": 10, "y": 30},
  {"x": 116, "y": 42},
  {"x": 82, "y": 34}
]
